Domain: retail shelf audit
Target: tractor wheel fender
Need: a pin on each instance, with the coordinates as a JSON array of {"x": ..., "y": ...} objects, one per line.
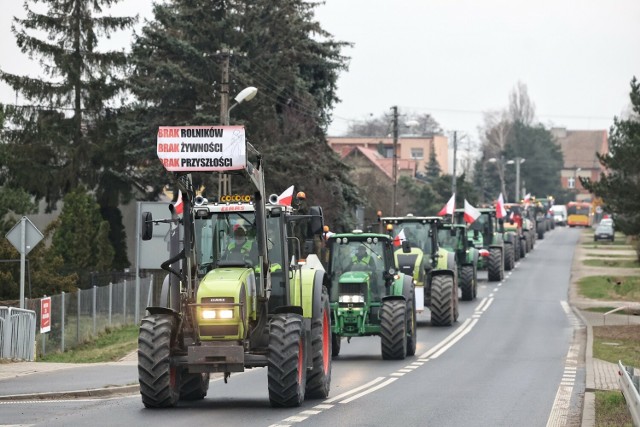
[
  {"x": 316, "y": 303},
  {"x": 407, "y": 287},
  {"x": 393, "y": 297},
  {"x": 501, "y": 247}
]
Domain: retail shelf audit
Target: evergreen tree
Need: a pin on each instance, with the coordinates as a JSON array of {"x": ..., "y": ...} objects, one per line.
[
  {"x": 280, "y": 50},
  {"x": 66, "y": 133},
  {"x": 81, "y": 238},
  {"x": 432, "y": 168},
  {"x": 619, "y": 186}
]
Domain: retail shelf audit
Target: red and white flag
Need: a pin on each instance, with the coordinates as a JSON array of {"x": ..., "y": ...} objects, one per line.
[
  {"x": 397, "y": 241},
  {"x": 286, "y": 197},
  {"x": 178, "y": 207},
  {"x": 450, "y": 207},
  {"x": 501, "y": 212},
  {"x": 527, "y": 198},
  {"x": 470, "y": 213}
]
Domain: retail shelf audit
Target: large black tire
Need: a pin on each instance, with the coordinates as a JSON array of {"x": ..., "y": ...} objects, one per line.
[
  {"x": 540, "y": 231},
  {"x": 524, "y": 248},
  {"x": 442, "y": 301},
  {"x": 287, "y": 368},
  {"x": 508, "y": 256},
  {"x": 193, "y": 386},
  {"x": 336, "y": 343},
  {"x": 159, "y": 381},
  {"x": 319, "y": 378},
  {"x": 468, "y": 282},
  {"x": 393, "y": 329},
  {"x": 516, "y": 249},
  {"x": 495, "y": 265},
  {"x": 412, "y": 339}
]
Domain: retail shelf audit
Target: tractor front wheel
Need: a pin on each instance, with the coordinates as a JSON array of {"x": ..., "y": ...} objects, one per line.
[
  {"x": 287, "y": 367},
  {"x": 467, "y": 282},
  {"x": 393, "y": 329},
  {"x": 159, "y": 381},
  {"x": 442, "y": 301},
  {"x": 411, "y": 325},
  {"x": 193, "y": 386},
  {"x": 508, "y": 256},
  {"x": 495, "y": 265}
]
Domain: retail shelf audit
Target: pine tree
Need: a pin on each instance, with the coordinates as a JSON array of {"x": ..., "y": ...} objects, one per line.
[
  {"x": 278, "y": 48},
  {"x": 66, "y": 132},
  {"x": 433, "y": 170},
  {"x": 619, "y": 186}
]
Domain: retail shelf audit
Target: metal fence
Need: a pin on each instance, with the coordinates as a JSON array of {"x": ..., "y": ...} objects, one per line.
[
  {"x": 77, "y": 317},
  {"x": 630, "y": 386},
  {"x": 17, "y": 333}
]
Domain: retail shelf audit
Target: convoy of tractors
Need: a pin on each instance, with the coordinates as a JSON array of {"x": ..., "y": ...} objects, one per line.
[{"x": 254, "y": 281}]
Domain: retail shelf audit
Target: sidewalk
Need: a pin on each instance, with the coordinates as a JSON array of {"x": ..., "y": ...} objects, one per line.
[{"x": 600, "y": 375}]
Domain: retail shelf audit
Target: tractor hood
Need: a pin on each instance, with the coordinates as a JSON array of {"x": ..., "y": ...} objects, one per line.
[{"x": 354, "y": 277}]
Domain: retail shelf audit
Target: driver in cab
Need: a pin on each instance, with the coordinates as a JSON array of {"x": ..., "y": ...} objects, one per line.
[
  {"x": 241, "y": 248},
  {"x": 362, "y": 261}
]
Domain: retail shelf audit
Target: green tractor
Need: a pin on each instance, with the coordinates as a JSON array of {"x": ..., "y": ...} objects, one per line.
[
  {"x": 453, "y": 238},
  {"x": 433, "y": 268},
  {"x": 497, "y": 246},
  {"x": 236, "y": 295},
  {"x": 368, "y": 295}
]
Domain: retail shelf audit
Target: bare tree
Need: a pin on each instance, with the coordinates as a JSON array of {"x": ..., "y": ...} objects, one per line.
[
  {"x": 521, "y": 108},
  {"x": 495, "y": 134}
]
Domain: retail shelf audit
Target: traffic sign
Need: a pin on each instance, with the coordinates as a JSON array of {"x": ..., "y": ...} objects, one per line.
[{"x": 32, "y": 235}]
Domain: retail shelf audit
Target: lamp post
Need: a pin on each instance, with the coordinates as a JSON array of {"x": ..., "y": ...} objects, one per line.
[
  {"x": 246, "y": 94},
  {"x": 516, "y": 161}
]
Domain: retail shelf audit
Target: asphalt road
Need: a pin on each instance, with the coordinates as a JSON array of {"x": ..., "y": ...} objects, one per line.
[{"x": 512, "y": 359}]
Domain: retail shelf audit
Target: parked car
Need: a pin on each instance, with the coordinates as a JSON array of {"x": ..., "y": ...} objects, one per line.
[{"x": 604, "y": 232}]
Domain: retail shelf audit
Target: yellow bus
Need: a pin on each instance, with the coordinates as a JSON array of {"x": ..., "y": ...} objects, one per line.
[{"x": 579, "y": 214}]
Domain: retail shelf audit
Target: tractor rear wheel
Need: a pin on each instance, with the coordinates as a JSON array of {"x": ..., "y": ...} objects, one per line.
[
  {"x": 516, "y": 249},
  {"x": 467, "y": 282},
  {"x": 193, "y": 386},
  {"x": 523, "y": 247},
  {"x": 393, "y": 329},
  {"x": 442, "y": 303},
  {"x": 508, "y": 256},
  {"x": 495, "y": 266},
  {"x": 159, "y": 381},
  {"x": 287, "y": 367},
  {"x": 319, "y": 378}
]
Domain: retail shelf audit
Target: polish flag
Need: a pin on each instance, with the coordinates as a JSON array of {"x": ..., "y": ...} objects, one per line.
[
  {"x": 178, "y": 207},
  {"x": 286, "y": 197},
  {"x": 500, "y": 210},
  {"x": 397, "y": 241},
  {"x": 470, "y": 213},
  {"x": 450, "y": 207},
  {"x": 527, "y": 198}
]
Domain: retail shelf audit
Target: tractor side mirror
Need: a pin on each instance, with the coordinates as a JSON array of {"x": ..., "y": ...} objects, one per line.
[
  {"x": 146, "y": 226},
  {"x": 406, "y": 247}
]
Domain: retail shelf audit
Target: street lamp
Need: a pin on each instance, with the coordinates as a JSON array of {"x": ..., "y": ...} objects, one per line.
[
  {"x": 517, "y": 161},
  {"x": 246, "y": 94}
]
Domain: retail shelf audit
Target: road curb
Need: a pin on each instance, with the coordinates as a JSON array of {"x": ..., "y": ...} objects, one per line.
[
  {"x": 74, "y": 394},
  {"x": 589, "y": 409}
]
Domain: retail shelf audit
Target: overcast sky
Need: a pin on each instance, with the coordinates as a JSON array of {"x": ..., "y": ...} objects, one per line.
[{"x": 456, "y": 59}]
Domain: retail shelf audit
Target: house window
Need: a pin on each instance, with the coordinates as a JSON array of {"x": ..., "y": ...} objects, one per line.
[
  {"x": 388, "y": 152},
  {"x": 417, "y": 153},
  {"x": 571, "y": 182}
]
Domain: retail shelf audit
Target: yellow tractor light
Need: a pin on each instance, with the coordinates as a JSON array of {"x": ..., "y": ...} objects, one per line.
[{"x": 209, "y": 314}]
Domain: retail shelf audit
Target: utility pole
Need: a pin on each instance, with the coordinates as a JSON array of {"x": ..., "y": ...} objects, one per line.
[
  {"x": 518, "y": 161},
  {"x": 224, "y": 180},
  {"x": 455, "y": 160},
  {"x": 395, "y": 159}
]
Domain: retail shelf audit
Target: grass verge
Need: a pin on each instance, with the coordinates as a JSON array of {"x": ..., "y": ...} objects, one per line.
[
  {"x": 111, "y": 345},
  {"x": 619, "y": 342},
  {"x": 611, "y": 288},
  {"x": 611, "y": 410},
  {"x": 612, "y": 263}
]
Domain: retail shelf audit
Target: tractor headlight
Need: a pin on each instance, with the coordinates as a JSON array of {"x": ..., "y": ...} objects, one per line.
[
  {"x": 351, "y": 299},
  {"x": 209, "y": 314}
]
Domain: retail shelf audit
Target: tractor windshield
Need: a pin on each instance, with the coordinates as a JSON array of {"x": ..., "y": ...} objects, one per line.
[
  {"x": 226, "y": 238},
  {"x": 357, "y": 255}
]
